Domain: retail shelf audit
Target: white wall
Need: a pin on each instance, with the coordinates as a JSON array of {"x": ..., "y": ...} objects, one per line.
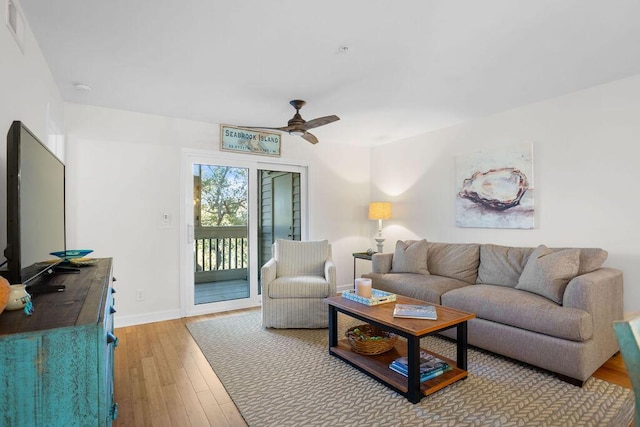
[
  {"x": 586, "y": 172},
  {"x": 29, "y": 94},
  {"x": 123, "y": 172}
]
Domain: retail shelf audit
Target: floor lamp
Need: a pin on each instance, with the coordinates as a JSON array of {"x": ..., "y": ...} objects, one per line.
[{"x": 379, "y": 211}]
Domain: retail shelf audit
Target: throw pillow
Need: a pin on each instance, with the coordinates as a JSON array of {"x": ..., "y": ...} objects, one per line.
[
  {"x": 502, "y": 265},
  {"x": 410, "y": 257},
  {"x": 547, "y": 273},
  {"x": 591, "y": 259}
]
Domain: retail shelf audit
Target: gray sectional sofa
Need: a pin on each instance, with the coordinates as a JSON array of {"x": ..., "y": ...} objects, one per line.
[{"x": 552, "y": 308}]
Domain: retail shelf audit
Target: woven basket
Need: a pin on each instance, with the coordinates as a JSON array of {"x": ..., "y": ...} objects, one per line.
[{"x": 367, "y": 346}]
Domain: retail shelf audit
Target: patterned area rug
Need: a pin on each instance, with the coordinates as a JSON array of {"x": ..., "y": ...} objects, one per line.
[{"x": 286, "y": 377}]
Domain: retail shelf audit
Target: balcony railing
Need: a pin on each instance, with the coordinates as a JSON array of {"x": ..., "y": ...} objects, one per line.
[{"x": 221, "y": 253}]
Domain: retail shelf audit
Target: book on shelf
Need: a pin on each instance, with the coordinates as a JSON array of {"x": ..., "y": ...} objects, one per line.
[
  {"x": 428, "y": 362},
  {"x": 423, "y": 377},
  {"x": 413, "y": 311},
  {"x": 430, "y": 366}
]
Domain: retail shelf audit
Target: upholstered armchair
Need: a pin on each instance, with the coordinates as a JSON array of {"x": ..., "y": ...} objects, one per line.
[{"x": 295, "y": 282}]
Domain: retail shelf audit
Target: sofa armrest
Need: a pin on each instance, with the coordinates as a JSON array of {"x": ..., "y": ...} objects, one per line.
[
  {"x": 381, "y": 263},
  {"x": 599, "y": 293},
  {"x": 267, "y": 275},
  {"x": 330, "y": 275}
]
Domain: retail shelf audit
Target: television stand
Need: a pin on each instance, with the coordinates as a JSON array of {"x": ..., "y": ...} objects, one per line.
[{"x": 60, "y": 359}]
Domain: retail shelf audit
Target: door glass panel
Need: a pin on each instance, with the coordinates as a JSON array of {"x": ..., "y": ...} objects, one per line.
[
  {"x": 280, "y": 210},
  {"x": 283, "y": 207},
  {"x": 221, "y": 245}
]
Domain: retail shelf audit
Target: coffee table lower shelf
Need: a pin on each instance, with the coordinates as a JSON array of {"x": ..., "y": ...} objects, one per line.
[{"x": 377, "y": 367}]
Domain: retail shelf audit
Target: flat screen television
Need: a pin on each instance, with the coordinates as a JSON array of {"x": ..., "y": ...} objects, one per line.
[{"x": 35, "y": 207}]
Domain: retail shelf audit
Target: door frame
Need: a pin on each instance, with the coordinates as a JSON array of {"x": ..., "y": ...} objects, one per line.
[{"x": 190, "y": 157}]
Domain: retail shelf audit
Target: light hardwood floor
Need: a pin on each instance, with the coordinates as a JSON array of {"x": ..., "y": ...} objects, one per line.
[{"x": 163, "y": 379}]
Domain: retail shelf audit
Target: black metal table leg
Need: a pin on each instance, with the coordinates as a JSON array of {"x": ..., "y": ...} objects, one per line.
[
  {"x": 333, "y": 327},
  {"x": 354, "y": 268},
  {"x": 413, "y": 381},
  {"x": 461, "y": 360}
]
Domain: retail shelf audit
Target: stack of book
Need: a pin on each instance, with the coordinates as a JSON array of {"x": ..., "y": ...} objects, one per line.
[{"x": 430, "y": 366}]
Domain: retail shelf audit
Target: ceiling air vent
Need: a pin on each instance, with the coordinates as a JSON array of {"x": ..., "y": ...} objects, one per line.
[{"x": 15, "y": 23}]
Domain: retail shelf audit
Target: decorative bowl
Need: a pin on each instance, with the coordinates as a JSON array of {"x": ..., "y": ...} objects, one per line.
[{"x": 70, "y": 254}]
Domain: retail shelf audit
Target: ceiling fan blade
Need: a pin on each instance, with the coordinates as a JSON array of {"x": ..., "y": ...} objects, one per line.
[
  {"x": 320, "y": 121},
  {"x": 283, "y": 129},
  {"x": 297, "y": 125},
  {"x": 310, "y": 137}
]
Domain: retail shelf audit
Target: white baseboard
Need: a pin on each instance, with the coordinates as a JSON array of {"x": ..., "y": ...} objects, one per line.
[
  {"x": 342, "y": 288},
  {"x": 121, "y": 321},
  {"x": 139, "y": 319}
]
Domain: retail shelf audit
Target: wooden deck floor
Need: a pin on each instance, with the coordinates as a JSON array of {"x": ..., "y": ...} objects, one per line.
[{"x": 221, "y": 291}]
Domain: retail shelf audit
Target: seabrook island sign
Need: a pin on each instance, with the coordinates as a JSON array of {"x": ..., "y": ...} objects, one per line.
[{"x": 248, "y": 141}]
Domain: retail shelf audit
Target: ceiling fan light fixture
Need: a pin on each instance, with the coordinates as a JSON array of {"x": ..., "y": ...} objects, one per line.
[{"x": 296, "y": 132}]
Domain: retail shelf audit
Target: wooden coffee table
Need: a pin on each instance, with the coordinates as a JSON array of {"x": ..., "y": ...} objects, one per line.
[{"x": 377, "y": 366}]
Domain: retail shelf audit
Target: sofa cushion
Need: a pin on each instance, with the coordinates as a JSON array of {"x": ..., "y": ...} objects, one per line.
[
  {"x": 502, "y": 265},
  {"x": 591, "y": 259},
  {"x": 381, "y": 262},
  {"x": 547, "y": 272},
  {"x": 456, "y": 260},
  {"x": 299, "y": 287},
  {"x": 295, "y": 258},
  {"x": 410, "y": 257},
  {"x": 420, "y": 286},
  {"x": 523, "y": 310}
]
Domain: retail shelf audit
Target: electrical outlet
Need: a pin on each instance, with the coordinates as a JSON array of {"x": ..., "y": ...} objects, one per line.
[
  {"x": 139, "y": 294},
  {"x": 165, "y": 220}
]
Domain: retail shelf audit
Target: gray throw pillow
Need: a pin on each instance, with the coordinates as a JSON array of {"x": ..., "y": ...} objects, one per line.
[
  {"x": 410, "y": 257},
  {"x": 548, "y": 272},
  {"x": 502, "y": 265}
]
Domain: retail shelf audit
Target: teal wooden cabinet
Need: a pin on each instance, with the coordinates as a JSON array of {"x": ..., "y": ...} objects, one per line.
[{"x": 56, "y": 366}]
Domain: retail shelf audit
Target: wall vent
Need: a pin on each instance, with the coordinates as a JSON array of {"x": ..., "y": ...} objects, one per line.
[{"x": 15, "y": 23}]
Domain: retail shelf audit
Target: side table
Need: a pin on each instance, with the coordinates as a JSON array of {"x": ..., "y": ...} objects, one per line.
[{"x": 360, "y": 255}]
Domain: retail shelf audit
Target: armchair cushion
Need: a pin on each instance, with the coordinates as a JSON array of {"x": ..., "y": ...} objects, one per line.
[
  {"x": 295, "y": 258},
  {"x": 299, "y": 287}
]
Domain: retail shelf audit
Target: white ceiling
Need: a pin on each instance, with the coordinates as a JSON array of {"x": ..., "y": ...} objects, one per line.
[{"x": 412, "y": 65}]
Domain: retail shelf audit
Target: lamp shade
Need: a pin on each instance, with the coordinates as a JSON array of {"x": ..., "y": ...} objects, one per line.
[{"x": 380, "y": 210}]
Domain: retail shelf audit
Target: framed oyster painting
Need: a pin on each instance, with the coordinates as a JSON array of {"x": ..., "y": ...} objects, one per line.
[{"x": 495, "y": 188}]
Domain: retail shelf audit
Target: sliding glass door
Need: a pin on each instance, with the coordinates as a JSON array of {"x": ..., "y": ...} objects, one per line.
[
  {"x": 233, "y": 210},
  {"x": 221, "y": 238}
]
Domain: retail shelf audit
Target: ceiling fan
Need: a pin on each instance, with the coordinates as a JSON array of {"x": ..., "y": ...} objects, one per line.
[{"x": 299, "y": 126}]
